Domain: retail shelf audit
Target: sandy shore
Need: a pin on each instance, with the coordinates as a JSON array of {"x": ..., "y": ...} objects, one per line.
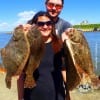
[
  {"x": 5, "y": 93},
  {"x": 93, "y": 95},
  {"x": 12, "y": 94}
]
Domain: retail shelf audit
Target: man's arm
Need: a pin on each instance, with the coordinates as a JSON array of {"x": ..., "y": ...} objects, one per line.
[{"x": 64, "y": 74}]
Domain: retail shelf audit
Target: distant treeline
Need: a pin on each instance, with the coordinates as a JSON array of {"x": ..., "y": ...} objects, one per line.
[{"x": 88, "y": 27}]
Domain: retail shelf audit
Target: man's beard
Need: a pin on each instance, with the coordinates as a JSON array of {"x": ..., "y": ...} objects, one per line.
[{"x": 53, "y": 12}]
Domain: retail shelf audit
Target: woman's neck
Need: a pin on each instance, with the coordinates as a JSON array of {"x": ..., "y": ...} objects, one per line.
[{"x": 47, "y": 39}]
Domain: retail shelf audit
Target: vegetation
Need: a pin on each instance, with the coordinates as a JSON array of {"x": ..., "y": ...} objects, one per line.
[{"x": 88, "y": 27}]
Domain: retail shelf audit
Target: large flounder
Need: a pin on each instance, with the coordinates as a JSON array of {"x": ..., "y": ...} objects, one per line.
[
  {"x": 15, "y": 54},
  {"x": 78, "y": 60},
  {"x": 22, "y": 54}
]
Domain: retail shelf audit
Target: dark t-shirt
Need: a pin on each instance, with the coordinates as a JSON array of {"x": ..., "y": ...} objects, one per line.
[{"x": 48, "y": 78}]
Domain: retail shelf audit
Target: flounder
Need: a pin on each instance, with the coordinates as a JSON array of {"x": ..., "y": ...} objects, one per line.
[
  {"x": 22, "y": 54},
  {"x": 15, "y": 54},
  {"x": 80, "y": 68},
  {"x": 36, "y": 52}
]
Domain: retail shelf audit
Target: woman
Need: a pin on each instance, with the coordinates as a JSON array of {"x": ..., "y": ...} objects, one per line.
[{"x": 48, "y": 75}]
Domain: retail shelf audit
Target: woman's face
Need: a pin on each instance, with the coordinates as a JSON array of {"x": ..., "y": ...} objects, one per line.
[{"x": 44, "y": 25}]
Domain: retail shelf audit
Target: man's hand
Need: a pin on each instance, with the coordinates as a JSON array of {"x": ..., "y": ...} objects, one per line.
[{"x": 65, "y": 35}]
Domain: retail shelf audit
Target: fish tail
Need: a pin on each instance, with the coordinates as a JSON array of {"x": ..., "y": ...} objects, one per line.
[{"x": 8, "y": 82}]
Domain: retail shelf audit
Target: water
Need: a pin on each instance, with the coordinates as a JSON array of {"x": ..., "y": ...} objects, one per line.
[
  {"x": 93, "y": 39},
  {"x": 4, "y": 38}
]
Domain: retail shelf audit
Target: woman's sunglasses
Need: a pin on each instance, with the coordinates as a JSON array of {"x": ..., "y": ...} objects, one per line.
[
  {"x": 57, "y": 6},
  {"x": 48, "y": 23}
]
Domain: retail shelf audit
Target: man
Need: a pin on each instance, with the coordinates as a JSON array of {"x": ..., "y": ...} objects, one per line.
[{"x": 54, "y": 8}]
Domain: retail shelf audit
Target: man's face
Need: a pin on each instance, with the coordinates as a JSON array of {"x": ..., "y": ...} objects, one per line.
[{"x": 54, "y": 7}]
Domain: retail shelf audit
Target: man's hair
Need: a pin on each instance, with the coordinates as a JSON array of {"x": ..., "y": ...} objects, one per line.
[{"x": 48, "y": 0}]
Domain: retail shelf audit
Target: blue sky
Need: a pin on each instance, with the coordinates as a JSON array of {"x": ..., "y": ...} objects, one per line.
[{"x": 15, "y": 12}]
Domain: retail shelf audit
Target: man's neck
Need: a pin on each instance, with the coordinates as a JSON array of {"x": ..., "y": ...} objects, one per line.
[{"x": 55, "y": 19}]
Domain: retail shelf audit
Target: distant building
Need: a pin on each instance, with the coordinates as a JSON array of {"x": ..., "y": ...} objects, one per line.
[{"x": 85, "y": 22}]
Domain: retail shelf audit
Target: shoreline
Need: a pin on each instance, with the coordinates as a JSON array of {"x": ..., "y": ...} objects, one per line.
[
  {"x": 91, "y": 31},
  {"x": 84, "y": 30}
]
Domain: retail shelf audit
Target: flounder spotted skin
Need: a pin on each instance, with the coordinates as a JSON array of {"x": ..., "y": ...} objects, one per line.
[
  {"x": 36, "y": 53},
  {"x": 79, "y": 59},
  {"x": 15, "y": 54}
]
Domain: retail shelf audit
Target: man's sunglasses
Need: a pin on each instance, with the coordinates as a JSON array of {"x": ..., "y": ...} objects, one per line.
[
  {"x": 48, "y": 23},
  {"x": 57, "y": 6}
]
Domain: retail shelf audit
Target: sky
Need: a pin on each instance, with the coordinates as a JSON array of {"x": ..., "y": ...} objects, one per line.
[{"x": 15, "y": 12}]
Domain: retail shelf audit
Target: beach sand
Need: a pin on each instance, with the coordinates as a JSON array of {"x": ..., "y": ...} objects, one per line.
[
  {"x": 5, "y": 93},
  {"x": 12, "y": 94},
  {"x": 93, "y": 95}
]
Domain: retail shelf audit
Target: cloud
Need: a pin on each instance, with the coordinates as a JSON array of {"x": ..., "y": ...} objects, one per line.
[
  {"x": 4, "y": 26},
  {"x": 24, "y": 16}
]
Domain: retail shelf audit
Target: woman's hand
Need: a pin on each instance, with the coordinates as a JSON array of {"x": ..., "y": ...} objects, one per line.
[{"x": 26, "y": 27}]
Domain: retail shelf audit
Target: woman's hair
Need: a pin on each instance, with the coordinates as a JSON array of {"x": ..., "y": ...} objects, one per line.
[
  {"x": 48, "y": 0},
  {"x": 35, "y": 17}
]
